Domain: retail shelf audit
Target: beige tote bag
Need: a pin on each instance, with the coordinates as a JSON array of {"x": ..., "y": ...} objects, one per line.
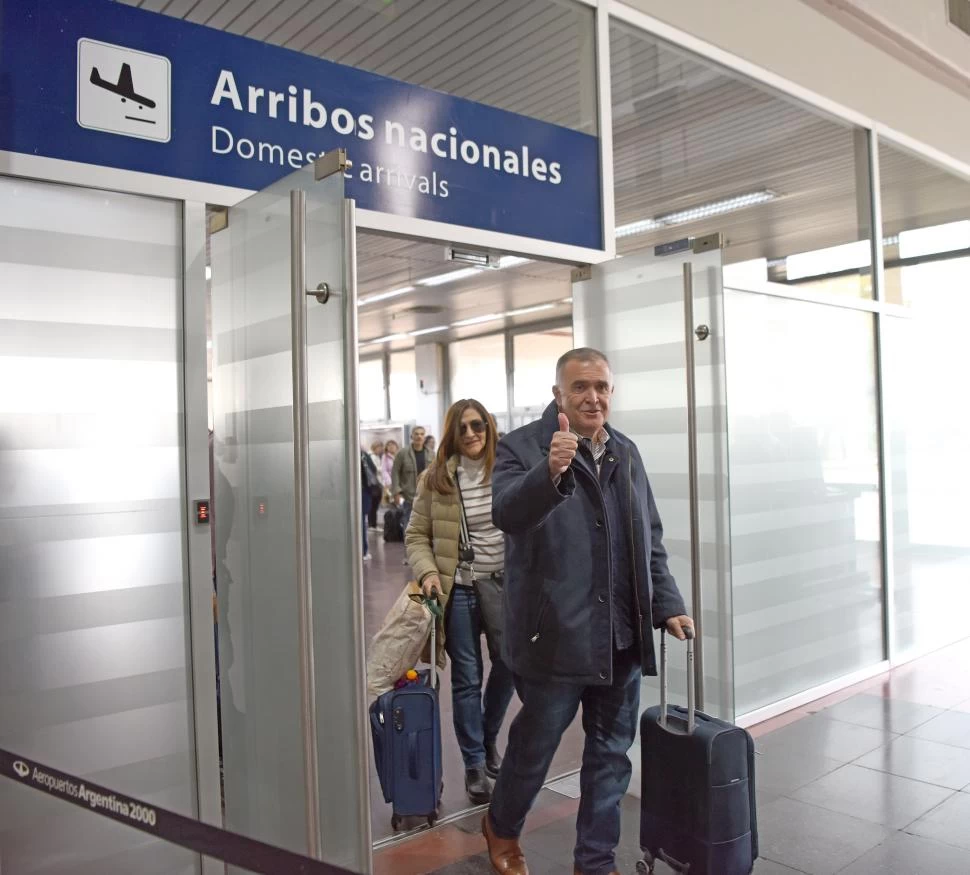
[{"x": 400, "y": 643}]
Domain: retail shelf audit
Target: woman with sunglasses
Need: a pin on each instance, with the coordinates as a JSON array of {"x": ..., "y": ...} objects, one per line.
[{"x": 454, "y": 548}]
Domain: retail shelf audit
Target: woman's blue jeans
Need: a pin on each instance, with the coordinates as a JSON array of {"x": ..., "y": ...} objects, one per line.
[{"x": 478, "y": 718}]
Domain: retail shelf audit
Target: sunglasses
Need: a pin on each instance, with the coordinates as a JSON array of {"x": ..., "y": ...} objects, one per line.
[{"x": 476, "y": 426}]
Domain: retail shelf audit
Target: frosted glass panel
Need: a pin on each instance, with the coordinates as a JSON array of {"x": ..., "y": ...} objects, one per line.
[
  {"x": 93, "y": 676},
  {"x": 633, "y": 310},
  {"x": 929, "y": 436},
  {"x": 265, "y": 778},
  {"x": 804, "y": 481},
  {"x": 926, "y": 218}
]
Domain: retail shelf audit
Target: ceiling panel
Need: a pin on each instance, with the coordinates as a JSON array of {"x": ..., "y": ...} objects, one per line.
[
  {"x": 386, "y": 263},
  {"x": 534, "y": 58}
]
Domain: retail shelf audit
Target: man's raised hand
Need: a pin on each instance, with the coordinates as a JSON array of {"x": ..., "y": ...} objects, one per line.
[{"x": 563, "y": 448}]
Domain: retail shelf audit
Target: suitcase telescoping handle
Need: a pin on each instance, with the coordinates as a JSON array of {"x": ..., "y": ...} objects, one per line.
[
  {"x": 691, "y": 718},
  {"x": 435, "y": 607}
]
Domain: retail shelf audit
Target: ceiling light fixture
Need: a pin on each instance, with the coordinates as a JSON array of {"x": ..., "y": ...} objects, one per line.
[
  {"x": 384, "y": 296},
  {"x": 537, "y": 309},
  {"x": 832, "y": 259},
  {"x": 512, "y": 261},
  {"x": 421, "y": 331},
  {"x": 477, "y": 320},
  {"x": 387, "y": 338},
  {"x": 841, "y": 258},
  {"x": 640, "y": 227},
  {"x": 694, "y": 214},
  {"x": 450, "y": 277},
  {"x": 464, "y": 323},
  {"x": 934, "y": 240}
]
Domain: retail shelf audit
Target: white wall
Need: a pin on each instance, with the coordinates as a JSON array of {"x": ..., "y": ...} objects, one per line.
[
  {"x": 922, "y": 23},
  {"x": 429, "y": 367},
  {"x": 812, "y": 50}
]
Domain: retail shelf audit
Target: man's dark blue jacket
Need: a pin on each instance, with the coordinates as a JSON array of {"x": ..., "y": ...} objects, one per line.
[{"x": 559, "y": 609}]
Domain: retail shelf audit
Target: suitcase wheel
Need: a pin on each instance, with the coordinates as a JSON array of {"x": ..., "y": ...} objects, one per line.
[
  {"x": 643, "y": 866},
  {"x": 432, "y": 819},
  {"x": 395, "y": 822}
]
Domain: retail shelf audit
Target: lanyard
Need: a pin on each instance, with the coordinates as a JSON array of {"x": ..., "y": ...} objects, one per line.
[{"x": 463, "y": 522}]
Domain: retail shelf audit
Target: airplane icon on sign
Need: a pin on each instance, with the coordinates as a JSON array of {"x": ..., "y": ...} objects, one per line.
[
  {"x": 123, "y": 90},
  {"x": 124, "y": 87}
]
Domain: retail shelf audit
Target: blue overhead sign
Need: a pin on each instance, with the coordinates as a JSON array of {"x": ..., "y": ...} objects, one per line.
[{"x": 108, "y": 84}]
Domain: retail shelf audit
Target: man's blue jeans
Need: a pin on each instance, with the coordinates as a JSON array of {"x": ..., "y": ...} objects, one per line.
[
  {"x": 609, "y": 722},
  {"x": 478, "y": 719}
]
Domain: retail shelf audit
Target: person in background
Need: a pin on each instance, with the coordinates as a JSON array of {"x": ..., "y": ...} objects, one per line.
[
  {"x": 469, "y": 574},
  {"x": 429, "y": 444},
  {"x": 587, "y": 583},
  {"x": 391, "y": 450},
  {"x": 377, "y": 493},
  {"x": 408, "y": 466},
  {"x": 369, "y": 480}
]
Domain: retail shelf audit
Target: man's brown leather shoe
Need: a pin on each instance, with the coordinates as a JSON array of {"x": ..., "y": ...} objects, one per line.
[{"x": 506, "y": 854}]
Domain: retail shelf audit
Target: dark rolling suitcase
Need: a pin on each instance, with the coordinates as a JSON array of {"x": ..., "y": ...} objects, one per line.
[
  {"x": 393, "y": 524},
  {"x": 698, "y": 792},
  {"x": 406, "y": 730}
]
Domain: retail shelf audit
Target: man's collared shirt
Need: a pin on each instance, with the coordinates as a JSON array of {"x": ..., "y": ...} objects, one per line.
[{"x": 596, "y": 445}]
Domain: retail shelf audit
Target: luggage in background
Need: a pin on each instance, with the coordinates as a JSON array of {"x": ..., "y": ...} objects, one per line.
[
  {"x": 698, "y": 793},
  {"x": 393, "y": 524},
  {"x": 406, "y": 729}
]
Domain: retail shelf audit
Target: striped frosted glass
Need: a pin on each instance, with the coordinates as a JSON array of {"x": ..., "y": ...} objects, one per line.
[
  {"x": 804, "y": 479},
  {"x": 93, "y": 675},
  {"x": 633, "y": 310}
]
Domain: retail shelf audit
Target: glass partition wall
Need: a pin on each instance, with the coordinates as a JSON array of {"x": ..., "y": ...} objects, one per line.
[
  {"x": 926, "y": 252},
  {"x": 840, "y": 363}
]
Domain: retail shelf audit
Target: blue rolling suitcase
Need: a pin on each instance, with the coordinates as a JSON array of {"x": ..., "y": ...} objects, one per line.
[
  {"x": 406, "y": 730},
  {"x": 698, "y": 794}
]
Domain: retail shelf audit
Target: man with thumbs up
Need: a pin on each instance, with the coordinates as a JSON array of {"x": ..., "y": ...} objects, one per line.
[{"x": 586, "y": 583}]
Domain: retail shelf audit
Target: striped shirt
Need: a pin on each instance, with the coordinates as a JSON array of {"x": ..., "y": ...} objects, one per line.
[
  {"x": 596, "y": 445},
  {"x": 486, "y": 540}
]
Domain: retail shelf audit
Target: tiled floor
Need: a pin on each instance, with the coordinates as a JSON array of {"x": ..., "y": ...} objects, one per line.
[{"x": 874, "y": 780}]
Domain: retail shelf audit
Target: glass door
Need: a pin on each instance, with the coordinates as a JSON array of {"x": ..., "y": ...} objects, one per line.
[
  {"x": 659, "y": 319},
  {"x": 287, "y": 519}
]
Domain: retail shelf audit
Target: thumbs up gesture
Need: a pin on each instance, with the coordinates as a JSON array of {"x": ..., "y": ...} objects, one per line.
[{"x": 563, "y": 448}]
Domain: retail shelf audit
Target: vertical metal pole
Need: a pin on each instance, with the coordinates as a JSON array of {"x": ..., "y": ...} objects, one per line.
[
  {"x": 352, "y": 429},
  {"x": 510, "y": 377},
  {"x": 695, "y": 546},
  {"x": 301, "y": 492},
  {"x": 605, "y": 127},
  {"x": 386, "y": 379},
  {"x": 663, "y": 678},
  {"x": 882, "y": 411}
]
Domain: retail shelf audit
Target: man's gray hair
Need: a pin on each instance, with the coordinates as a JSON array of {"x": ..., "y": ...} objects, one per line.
[{"x": 585, "y": 354}]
